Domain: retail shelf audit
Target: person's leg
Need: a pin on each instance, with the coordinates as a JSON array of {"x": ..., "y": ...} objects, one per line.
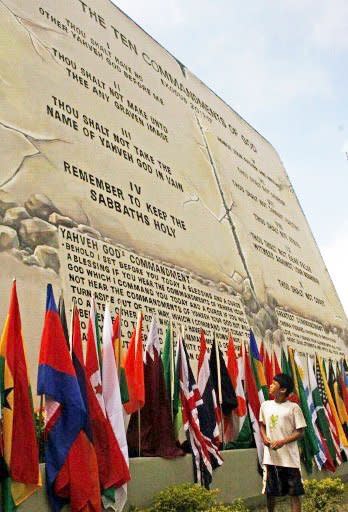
[
  {"x": 270, "y": 503},
  {"x": 295, "y": 503}
]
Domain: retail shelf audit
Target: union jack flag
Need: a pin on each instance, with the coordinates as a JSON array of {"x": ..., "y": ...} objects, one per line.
[{"x": 205, "y": 453}]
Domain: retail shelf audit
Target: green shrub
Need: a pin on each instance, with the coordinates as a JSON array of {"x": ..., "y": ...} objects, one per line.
[
  {"x": 192, "y": 498},
  {"x": 236, "y": 506},
  {"x": 184, "y": 498},
  {"x": 325, "y": 495}
]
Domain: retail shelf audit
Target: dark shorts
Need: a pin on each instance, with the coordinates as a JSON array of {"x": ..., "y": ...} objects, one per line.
[{"x": 281, "y": 481}]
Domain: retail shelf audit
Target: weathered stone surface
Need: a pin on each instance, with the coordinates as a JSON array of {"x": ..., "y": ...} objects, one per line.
[
  {"x": 8, "y": 238},
  {"x": 31, "y": 260},
  {"x": 33, "y": 232},
  {"x": 88, "y": 230},
  {"x": 14, "y": 216},
  {"x": 60, "y": 220},
  {"x": 271, "y": 301},
  {"x": 17, "y": 254},
  {"x": 278, "y": 336},
  {"x": 6, "y": 202},
  {"x": 39, "y": 205},
  {"x": 47, "y": 257},
  {"x": 264, "y": 319}
]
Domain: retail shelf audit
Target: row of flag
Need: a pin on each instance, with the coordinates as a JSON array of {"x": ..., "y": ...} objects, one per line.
[{"x": 101, "y": 406}]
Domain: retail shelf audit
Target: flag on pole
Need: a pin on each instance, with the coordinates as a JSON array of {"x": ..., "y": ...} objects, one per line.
[
  {"x": 134, "y": 368},
  {"x": 118, "y": 349},
  {"x": 19, "y": 437},
  {"x": 319, "y": 418},
  {"x": 78, "y": 479},
  {"x": 208, "y": 411},
  {"x": 177, "y": 408},
  {"x": 257, "y": 367},
  {"x": 285, "y": 364},
  {"x": 341, "y": 435},
  {"x": 275, "y": 364},
  {"x": 338, "y": 400},
  {"x": 322, "y": 386},
  {"x": 113, "y": 498},
  {"x": 169, "y": 363},
  {"x": 286, "y": 368},
  {"x": 342, "y": 384},
  {"x": 310, "y": 443},
  {"x": 62, "y": 316},
  {"x": 221, "y": 381},
  {"x": 202, "y": 448},
  {"x": 65, "y": 410},
  {"x": 253, "y": 400},
  {"x": 156, "y": 428},
  {"x": 267, "y": 364},
  {"x": 242, "y": 435},
  {"x": 113, "y": 468}
]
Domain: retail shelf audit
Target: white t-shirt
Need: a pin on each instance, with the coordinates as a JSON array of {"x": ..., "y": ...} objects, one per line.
[{"x": 281, "y": 420}]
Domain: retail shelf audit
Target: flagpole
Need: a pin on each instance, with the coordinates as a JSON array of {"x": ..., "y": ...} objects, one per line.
[
  {"x": 219, "y": 385},
  {"x": 119, "y": 355},
  {"x": 171, "y": 364},
  {"x": 135, "y": 353}
]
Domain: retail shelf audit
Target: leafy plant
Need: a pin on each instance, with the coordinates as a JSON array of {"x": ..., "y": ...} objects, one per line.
[
  {"x": 325, "y": 495},
  {"x": 237, "y": 506},
  {"x": 192, "y": 498},
  {"x": 184, "y": 498}
]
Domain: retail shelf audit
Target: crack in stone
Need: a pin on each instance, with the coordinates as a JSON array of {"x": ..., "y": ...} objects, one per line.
[
  {"x": 227, "y": 210},
  {"x": 198, "y": 199},
  {"x": 33, "y": 141},
  {"x": 24, "y": 22}
]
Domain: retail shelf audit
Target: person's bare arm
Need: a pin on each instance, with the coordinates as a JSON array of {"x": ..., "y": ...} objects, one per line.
[
  {"x": 265, "y": 439},
  {"x": 298, "y": 434}
]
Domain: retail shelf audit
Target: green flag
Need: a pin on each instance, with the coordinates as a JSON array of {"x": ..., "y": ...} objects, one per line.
[
  {"x": 285, "y": 364},
  {"x": 321, "y": 418},
  {"x": 168, "y": 362},
  {"x": 309, "y": 442}
]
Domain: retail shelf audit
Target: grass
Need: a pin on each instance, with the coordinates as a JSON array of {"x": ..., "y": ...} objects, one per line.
[{"x": 284, "y": 505}]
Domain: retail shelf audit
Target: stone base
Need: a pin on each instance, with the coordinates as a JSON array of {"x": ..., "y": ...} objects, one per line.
[{"x": 237, "y": 478}]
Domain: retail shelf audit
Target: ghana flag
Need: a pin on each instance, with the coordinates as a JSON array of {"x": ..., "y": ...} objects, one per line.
[{"x": 20, "y": 445}]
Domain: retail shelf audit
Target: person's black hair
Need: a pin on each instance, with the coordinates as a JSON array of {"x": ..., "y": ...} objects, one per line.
[{"x": 285, "y": 382}]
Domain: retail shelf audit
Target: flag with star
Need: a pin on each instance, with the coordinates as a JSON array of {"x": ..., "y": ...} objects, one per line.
[
  {"x": 319, "y": 373},
  {"x": 19, "y": 437}
]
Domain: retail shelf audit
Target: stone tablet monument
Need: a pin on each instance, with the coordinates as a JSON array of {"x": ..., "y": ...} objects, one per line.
[{"x": 123, "y": 176}]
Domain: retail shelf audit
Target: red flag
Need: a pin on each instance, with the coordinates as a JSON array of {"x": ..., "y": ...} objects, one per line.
[
  {"x": 134, "y": 368},
  {"x": 79, "y": 478},
  {"x": 252, "y": 395},
  {"x": 20, "y": 445},
  {"x": 113, "y": 469},
  {"x": 156, "y": 426},
  {"x": 232, "y": 363},
  {"x": 275, "y": 364}
]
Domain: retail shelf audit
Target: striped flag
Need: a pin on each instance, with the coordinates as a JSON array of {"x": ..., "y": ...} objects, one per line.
[
  {"x": 208, "y": 411},
  {"x": 134, "y": 368},
  {"x": 202, "y": 448},
  {"x": 257, "y": 367},
  {"x": 116, "y": 498},
  {"x": 113, "y": 469},
  {"x": 253, "y": 400},
  {"x": 119, "y": 355},
  {"x": 242, "y": 428},
  {"x": 322, "y": 386},
  {"x": 311, "y": 439},
  {"x": 319, "y": 418}
]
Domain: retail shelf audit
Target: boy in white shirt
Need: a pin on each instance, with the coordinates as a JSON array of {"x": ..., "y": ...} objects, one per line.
[{"x": 282, "y": 424}]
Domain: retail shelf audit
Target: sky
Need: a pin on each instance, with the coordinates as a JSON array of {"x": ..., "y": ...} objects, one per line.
[{"x": 282, "y": 65}]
